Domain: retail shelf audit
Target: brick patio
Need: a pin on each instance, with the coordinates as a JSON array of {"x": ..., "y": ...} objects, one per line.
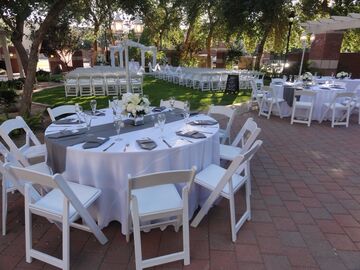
[{"x": 305, "y": 213}]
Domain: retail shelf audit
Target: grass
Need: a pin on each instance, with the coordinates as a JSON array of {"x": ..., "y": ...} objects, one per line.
[{"x": 155, "y": 89}]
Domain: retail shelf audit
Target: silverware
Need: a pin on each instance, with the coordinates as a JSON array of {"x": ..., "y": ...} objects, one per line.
[
  {"x": 104, "y": 150},
  {"x": 206, "y": 132},
  {"x": 186, "y": 140},
  {"x": 166, "y": 143},
  {"x": 126, "y": 146}
]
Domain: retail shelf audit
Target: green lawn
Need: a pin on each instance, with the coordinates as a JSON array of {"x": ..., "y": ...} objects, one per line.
[{"x": 155, "y": 89}]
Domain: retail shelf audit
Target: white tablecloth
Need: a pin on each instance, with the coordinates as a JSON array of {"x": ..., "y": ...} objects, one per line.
[
  {"x": 351, "y": 84},
  {"x": 322, "y": 96},
  {"x": 109, "y": 170}
]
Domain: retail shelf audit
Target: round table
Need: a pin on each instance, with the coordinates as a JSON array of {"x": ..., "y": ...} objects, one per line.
[
  {"x": 324, "y": 94},
  {"x": 109, "y": 170}
]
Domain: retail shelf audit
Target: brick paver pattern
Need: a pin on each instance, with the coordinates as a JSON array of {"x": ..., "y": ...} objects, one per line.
[{"x": 305, "y": 212}]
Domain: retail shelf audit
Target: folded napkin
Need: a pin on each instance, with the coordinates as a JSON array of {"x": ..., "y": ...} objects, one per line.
[
  {"x": 159, "y": 109},
  {"x": 97, "y": 113},
  {"x": 278, "y": 83},
  {"x": 191, "y": 134},
  {"x": 324, "y": 87},
  {"x": 94, "y": 142},
  {"x": 68, "y": 121},
  {"x": 147, "y": 143},
  {"x": 203, "y": 122},
  {"x": 66, "y": 133},
  {"x": 336, "y": 86}
]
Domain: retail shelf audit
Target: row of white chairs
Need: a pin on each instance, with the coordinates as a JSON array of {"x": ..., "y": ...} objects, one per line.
[
  {"x": 67, "y": 201},
  {"x": 341, "y": 107},
  {"x": 100, "y": 85}
]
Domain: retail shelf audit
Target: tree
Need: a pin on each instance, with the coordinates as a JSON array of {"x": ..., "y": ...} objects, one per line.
[{"x": 42, "y": 15}]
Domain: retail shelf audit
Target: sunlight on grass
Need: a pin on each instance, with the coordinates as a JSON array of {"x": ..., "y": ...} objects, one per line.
[{"x": 155, "y": 89}]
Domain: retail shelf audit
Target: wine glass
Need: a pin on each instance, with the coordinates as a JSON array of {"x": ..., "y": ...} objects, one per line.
[
  {"x": 87, "y": 119},
  {"x": 186, "y": 111},
  {"x": 78, "y": 111},
  {"x": 118, "y": 123},
  {"x": 93, "y": 106},
  {"x": 172, "y": 103},
  {"x": 161, "y": 119}
]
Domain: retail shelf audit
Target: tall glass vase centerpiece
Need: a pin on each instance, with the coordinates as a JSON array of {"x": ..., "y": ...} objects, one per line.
[
  {"x": 307, "y": 79},
  {"x": 136, "y": 106}
]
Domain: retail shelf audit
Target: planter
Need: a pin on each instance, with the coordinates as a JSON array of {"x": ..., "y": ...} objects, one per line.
[{"x": 138, "y": 121}]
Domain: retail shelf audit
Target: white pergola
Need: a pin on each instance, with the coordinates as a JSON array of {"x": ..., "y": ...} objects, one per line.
[
  {"x": 334, "y": 23},
  {"x": 124, "y": 46}
]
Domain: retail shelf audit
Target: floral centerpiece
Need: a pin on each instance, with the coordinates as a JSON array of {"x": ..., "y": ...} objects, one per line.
[
  {"x": 307, "y": 77},
  {"x": 136, "y": 106},
  {"x": 342, "y": 75}
]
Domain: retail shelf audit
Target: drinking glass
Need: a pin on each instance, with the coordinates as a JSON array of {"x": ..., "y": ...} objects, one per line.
[
  {"x": 161, "y": 123},
  {"x": 78, "y": 111},
  {"x": 87, "y": 119},
  {"x": 118, "y": 123},
  {"x": 172, "y": 103},
  {"x": 93, "y": 106},
  {"x": 186, "y": 111}
]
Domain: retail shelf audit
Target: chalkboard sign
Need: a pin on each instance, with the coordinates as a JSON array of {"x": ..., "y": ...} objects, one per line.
[{"x": 232, "y": 83}]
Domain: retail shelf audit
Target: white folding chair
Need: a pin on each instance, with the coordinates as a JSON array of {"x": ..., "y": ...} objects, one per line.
[
  {"x": 340, "y": 107},
  {"x": 71, "y": 85},
  {"x": 32, "y": 147},
  {"x": 256, "y": 93},
  {"x": 98, "y": 85},
  {"x": 154, "y": 197},
  {"x": 137, "y": 84},
  {"x": 60, "y": 110},
  {"x": 64, "y": 204},
  {"x": 178, "y": 104},
  {"x": 111, "y": 84},
  {"x": 227, "y": 112},
  {"x": 243, "y": 141},
  {"x": 303, "y": 105},
  {"x": 226, "y": 183},
  {"x": 268, "y": 101},
  {"x": 8, "y": 186},
  {"x": 85, "y": 86}
]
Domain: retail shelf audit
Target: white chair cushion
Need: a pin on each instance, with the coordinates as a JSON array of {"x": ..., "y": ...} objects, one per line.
[
  {"x": 212, "y": 174},
  {"x": 157, "y": 199},
  {"x": 229, "y": 152},
  {"x": 53, "y": 201},
  {"x": 303, "y": 104},
  {"x": 41, "y": 167},
  {"x": 34, "y": 151}
]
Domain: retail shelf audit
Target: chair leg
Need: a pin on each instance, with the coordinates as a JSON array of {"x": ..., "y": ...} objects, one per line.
[
  {"x": 278, "y": 107},
  {"x": 347, "y": 117},
  {"x": 137, "y": 241},
  {"x": 324, "y": 114},
  {"x": 4, "y": 207},
  {"x": 270, "y": 109},
  {"x": 186, "y": 237},
  {"x": 28, "y": 228},
  {"x": 333, "y": 117},
  {"x": 232, "y": 217},
  {"x": 292, "y": 114},
  {"x": 66, "y": 236},
  {"x": 359, "y": 115}
]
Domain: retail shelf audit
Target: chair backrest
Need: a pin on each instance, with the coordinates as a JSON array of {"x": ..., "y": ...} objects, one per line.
[
  {"x": 60, "y": 110},
  {"x": 178, "y": 104},
  {"x": 344, "y": 95},
  {"x": 162, "y": 178},
  {"x": 238, "y": 164},
  {"x": 247, "y": 135},
  {"x": 226, "y": 111},
  {"x": 3, "y": 153},
  {"x": 15, "y": 124}
]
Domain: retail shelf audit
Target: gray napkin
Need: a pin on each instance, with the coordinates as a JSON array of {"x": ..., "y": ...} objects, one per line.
[
  {"x": 97, "y": 113},
  {"x": 94, "y": 142},
  {"x": 191, "y": 134},
  {"x": 147, "y": 144},
  {"x": 203, "y": 122},
  {"x": 159, "y": 109},
  {"x": 66, "y": 133},
  {"x": 67, "y": 122}
]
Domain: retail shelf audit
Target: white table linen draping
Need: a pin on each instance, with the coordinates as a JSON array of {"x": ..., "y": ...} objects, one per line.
[
  {"x": 351, "y": 84},
  {"x": 109, "y": 170},
  {"x": 323, "y": 95}
]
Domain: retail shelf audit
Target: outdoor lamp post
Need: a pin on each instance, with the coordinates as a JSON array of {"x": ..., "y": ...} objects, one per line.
[
  {"x": 303, "y": 39},
  {"x": 138, "y": 27},
  {"x": 291, "y": 18}
]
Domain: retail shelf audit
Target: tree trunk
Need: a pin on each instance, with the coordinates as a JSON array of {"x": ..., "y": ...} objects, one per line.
[
  {"x": 16, "y": 39},
  {"x": 261, "y": 46},
  {"x": 49, "y": 20},
  {"x": 208, "y": 46},
  {"x": 95, "y": 45}
]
